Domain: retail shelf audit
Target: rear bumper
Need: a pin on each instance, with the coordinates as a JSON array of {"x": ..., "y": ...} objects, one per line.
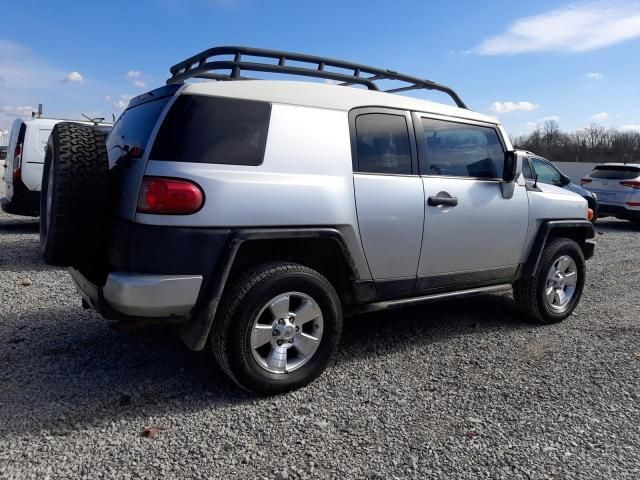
[
  {"x": 154, "y": 272},
  {"x": 129, "y": 294},
  {"x": 618, "y": 211}
]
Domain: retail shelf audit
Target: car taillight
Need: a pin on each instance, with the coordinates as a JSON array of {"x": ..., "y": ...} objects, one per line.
[
  {"x": 631, "y": 183},
  {"x": 17, "y": 162},
  {"x": 585, "y": 180},
  {"x": 169, "y": 196}
]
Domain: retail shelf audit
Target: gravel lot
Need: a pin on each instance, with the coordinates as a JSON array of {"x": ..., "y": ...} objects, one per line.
[{"x": 449, "y": 390}]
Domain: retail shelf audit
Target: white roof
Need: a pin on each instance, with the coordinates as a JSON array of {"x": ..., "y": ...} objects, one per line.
[{"x": 322, "y": 95}]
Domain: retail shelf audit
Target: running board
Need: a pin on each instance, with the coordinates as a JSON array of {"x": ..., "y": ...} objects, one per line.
[{"x": 407, "y": 302}]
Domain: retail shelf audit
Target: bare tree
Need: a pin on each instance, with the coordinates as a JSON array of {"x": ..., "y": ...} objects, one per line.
[{"x": 590, "y": 144}]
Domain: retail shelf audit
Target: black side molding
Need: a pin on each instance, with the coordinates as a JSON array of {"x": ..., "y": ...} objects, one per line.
[
  {"x": 195, "y": 332},
  {"x": 583, "y": 228}
]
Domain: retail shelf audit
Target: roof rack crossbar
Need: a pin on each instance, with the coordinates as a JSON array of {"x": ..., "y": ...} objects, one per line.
[{"x": 203, "y": 65}]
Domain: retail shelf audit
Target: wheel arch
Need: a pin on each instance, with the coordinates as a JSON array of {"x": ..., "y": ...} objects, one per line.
[
  {"x": 322, "y": 249},
  {"x": 581, "y": 231}
]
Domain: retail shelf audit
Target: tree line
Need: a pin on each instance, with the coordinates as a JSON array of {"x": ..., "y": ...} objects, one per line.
[{"x": 590, "y": 144}]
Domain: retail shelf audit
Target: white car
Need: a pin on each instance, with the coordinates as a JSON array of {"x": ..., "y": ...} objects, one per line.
[{"x": 23, "y": 167}]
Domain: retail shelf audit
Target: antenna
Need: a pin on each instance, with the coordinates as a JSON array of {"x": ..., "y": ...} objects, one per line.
[{"x": 95, "y": 121}]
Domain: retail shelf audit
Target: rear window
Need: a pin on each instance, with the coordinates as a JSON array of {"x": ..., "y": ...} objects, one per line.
[
  {"x": 218, "y": 130},
  {"x": 615, "y": 172},
  {"x": 134, "y": 127}
]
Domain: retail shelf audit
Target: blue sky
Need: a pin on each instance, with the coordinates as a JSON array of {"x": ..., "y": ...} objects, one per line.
[{"x": 520, "y": 61}]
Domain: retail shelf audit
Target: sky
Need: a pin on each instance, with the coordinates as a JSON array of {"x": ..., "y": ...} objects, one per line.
[{"x": 522, "y": 62}]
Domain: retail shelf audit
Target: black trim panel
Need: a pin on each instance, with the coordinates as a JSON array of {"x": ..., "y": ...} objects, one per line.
[
  {"x": 466, "y": 279},
  {"x": 394, "y": 288},
  {"x": 195, "y": 332},
  {"x": 585, "y": 227}
]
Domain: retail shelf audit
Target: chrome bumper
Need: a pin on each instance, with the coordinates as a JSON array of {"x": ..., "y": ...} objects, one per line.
[{"x": 140, "y": 294}]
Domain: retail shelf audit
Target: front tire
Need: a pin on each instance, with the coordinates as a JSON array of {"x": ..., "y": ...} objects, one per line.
[
  {"x": 554, "y": 291},
  {"x": 277, "y": 328}
]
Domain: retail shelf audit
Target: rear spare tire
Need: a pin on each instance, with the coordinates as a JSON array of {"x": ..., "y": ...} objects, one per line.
[{"x": 74, "y": 195}]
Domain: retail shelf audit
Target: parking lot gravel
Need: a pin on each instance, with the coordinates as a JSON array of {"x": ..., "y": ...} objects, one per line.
[{"x": 457, "y": 389}]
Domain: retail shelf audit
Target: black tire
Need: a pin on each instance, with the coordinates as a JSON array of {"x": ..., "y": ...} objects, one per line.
[
  {"x": 73, "y": 203},
  {"x": 529, "y": 293},
  {"x": 243, "y": 300}
]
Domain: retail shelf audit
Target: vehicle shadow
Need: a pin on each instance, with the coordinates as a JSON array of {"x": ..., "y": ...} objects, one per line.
[
  {"x": 19, "y": 226},
  {"x": 67, "y": 365},
  {"x": 611, "y": 225}
]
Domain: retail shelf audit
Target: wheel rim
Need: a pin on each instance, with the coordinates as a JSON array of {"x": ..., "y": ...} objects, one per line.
[
  {"x": 286, "y": 333},
  {"x": 561, "y": 283},
  {"x": 47, "y": 214}
]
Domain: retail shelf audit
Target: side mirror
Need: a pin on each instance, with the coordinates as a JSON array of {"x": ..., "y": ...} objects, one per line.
[
  {"x": 564, "y": 179},
  {"x": 512, "y": 166}
]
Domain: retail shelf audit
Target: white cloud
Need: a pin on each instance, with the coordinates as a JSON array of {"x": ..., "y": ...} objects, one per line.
[
  {"x": 18, "y": 111},
  {"x": 595, "y": 76},
  {"x": 122, "y": 102},
  {"x": 74, "y": 77},
  {"x": 554, "y": 118},
  {"x": 136, "y": 77},
  {"x": 575, "y": 28},
  {"x": 600, "y": 117},
  {"x": 508, "y": 107},
  {"x": 531, "y": 125},
  {"x": 630, "y": 128}
]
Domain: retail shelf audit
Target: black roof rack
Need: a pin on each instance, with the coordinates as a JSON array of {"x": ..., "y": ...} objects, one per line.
[{"x": 203, "y": 65}]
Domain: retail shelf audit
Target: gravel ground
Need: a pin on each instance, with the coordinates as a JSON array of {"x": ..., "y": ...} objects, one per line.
[{"x": 462, "y": 389}]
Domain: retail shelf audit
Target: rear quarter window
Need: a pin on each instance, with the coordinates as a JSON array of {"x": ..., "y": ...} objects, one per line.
[{"x": 215, "y": 130}]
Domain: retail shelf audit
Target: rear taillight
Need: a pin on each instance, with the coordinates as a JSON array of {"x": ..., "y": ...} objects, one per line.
[
  {"x": 17, "y": 162},
  {"x": 633, "y": 204},
  {"x": 169, "y": 196},
  {"x": 585, "y": 180},
  {"x": 631, "y": 183}
]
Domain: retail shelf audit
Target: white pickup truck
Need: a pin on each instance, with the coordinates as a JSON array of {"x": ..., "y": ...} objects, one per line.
[{"x": 23, "y": 166}]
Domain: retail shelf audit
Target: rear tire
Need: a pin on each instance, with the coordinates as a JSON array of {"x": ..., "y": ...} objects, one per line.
[
  {"x": 554, "y": 291},
  {"x": 296, "y": 310},
  {"x": 74, "y": 194}
]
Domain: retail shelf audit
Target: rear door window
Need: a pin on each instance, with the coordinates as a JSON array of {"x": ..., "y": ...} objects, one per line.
[
  {"x": 218, "y": 130},
  {"x": 383, "y": 144}
]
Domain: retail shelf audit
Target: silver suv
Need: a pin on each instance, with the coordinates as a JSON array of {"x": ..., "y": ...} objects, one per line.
[
  {"x": 617, "y": 186},
  {"x": 258, "y": 214}
]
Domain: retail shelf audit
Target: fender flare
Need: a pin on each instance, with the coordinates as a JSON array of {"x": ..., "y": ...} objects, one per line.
[
  {"x": 583, "y": 227},
  {"x": 195, "y": 331}
]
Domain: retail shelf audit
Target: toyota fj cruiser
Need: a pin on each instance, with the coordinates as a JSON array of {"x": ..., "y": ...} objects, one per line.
[{"x": 258, "y": 213}]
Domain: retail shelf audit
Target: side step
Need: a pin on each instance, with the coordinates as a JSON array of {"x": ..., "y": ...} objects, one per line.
[{"x": 406, "y": 302}]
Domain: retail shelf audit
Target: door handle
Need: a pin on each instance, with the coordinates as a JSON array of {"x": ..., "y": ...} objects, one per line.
[{"x": 444, "y": 199}]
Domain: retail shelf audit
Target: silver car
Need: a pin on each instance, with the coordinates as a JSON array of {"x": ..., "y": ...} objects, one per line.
[
  {"x": 617, "y": 186},
  {"x": 258, "y": 213}
]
